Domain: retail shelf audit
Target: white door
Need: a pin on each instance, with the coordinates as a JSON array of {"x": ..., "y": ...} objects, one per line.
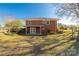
[{"x": 32, "y": 30}]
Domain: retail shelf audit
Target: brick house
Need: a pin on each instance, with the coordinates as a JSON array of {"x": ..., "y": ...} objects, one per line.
[{"x": 41, "y": 26}]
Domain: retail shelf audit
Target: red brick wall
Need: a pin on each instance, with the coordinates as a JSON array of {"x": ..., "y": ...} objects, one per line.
[{"x": 52, "y": 26}]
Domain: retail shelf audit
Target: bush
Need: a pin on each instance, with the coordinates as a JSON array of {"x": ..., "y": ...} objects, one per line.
[
  {"x": 15, "y": 30},
  {"x": 22, "y": 31},
  {"x": 59, "y": 31},
  {"x": 65, "y": 28}
]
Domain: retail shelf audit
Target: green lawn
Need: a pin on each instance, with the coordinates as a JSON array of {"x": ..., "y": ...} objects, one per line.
[{"x": 34, "y": 45}]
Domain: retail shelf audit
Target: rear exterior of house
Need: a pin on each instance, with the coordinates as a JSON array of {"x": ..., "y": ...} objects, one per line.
[{"x": 41, "y": 26}]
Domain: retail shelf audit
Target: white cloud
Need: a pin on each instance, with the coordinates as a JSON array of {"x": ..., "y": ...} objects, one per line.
[{"x": 67, "y": 21}]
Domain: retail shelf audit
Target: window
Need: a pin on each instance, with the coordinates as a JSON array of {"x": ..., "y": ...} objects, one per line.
[
  {"x": 47, "y": 22},
  {"x": 29, "y": 23}
]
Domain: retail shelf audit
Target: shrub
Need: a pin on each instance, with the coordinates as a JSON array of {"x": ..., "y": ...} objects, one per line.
[
  {"x": 22, "y": 31},
  {"x": 59, "y": 31}
]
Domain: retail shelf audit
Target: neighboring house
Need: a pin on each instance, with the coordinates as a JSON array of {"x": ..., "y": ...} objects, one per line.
[{"x": 41, "y": 26}]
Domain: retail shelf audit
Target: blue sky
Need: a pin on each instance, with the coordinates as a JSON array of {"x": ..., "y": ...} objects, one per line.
[
  {"x": 23, "y": 11},
  {"x": 27, "y": 10}
]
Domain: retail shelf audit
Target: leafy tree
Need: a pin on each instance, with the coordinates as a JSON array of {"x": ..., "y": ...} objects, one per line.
[
  {"x": 8, "y": 25},
  {"x": 14, "y": 25},
  {"x": 17, "y": 25}
]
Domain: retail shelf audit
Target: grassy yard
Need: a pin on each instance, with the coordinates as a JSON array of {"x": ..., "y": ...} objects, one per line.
[{"x": 35, "y": 45}]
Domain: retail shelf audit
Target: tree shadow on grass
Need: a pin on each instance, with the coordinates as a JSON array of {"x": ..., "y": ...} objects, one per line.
[
  {"x": 37, "y": 49},
  {"x": 73, "y": 50},
  {"x": 70, "y": 51},
  {"x": 77, "y": 48}
]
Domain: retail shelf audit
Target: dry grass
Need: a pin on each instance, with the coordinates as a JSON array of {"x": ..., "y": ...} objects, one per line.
[{"x": 24, "y": 45}]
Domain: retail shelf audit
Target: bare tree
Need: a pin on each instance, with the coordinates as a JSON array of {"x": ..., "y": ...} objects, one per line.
[{"x": 69, "y": 10}]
